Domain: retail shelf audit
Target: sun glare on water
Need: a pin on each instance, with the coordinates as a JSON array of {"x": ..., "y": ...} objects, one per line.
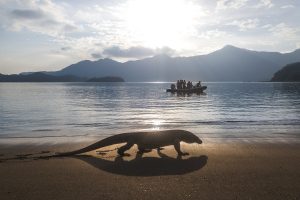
[
  {"x": 158, "y": 23},
  {"x": 157, "y": 123}
]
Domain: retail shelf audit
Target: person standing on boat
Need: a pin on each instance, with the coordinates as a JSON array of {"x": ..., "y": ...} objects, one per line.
[
  {"x": 189, "y": 85},
  {"x": 199, "y": 84},
  {"x": 178, "y": 84},
  {"x": 173, "y": 86}
]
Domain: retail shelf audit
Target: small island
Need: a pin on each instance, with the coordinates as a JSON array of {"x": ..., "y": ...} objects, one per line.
[{"x": 289, "y": 73}]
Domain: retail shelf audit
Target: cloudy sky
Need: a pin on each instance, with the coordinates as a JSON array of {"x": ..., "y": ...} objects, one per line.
[{"x": 38, "y": 35}]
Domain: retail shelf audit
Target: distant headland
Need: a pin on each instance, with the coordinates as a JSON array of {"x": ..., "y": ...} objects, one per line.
[
  {"x": 42, "y": 77},
  {"x": 289, "y": 73}
]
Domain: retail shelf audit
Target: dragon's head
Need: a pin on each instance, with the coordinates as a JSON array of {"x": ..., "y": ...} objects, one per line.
[{"x": 189, "y": 137}]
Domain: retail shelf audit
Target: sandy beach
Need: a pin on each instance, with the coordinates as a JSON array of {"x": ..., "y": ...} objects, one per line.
[{"x": 211, "y": 171}]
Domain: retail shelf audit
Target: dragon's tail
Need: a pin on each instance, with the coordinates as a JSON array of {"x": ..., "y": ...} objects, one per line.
[{"x": 116, "y": 139}]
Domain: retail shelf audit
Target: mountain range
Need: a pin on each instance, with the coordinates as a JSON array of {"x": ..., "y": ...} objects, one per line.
[{"x": 227, "y": 64}]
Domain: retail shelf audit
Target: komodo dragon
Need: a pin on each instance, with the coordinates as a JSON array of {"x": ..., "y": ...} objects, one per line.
[{"x": 146, "y": 141}]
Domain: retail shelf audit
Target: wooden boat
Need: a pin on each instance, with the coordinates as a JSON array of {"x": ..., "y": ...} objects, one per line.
[{"x": 192, "y": 90}]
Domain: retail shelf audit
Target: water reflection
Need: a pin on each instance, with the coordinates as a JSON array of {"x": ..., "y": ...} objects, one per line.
[
  {"x": 108, "y": 108},
  {"x": 157, "y": 124}
]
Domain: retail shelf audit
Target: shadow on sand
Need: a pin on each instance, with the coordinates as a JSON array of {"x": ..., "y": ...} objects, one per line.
[
  {"x": 139, "y": 166},
  {"x": 147, "y": 166}
]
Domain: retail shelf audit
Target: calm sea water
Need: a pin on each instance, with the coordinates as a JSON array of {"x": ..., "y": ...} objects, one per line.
[{"x": 76, "y": 111}]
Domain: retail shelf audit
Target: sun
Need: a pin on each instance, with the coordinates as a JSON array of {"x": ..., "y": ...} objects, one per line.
[{"x": 158, "y": 23}]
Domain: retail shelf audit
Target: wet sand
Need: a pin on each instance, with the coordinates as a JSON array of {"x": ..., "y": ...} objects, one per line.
[{"x": 211, "y": 171}]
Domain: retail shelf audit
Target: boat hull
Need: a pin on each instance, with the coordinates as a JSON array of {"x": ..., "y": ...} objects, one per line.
[{"x": 193, "y": 90}]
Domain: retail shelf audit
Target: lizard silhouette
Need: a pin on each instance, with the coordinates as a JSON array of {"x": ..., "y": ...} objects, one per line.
[{"x": 146, "y": 141}]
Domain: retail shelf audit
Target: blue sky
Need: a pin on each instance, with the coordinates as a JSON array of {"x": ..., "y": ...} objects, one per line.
[{"x": 38, "y": 35}]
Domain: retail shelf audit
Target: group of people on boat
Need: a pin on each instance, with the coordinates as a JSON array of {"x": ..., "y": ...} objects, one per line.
[{"x": 182, "y": 84}]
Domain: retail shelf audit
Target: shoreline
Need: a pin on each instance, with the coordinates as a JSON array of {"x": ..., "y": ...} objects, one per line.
[
  {"x": 265, "y": 138},
  {"x": 211, "y": 171},
  {"x": 53, "y": 141}
]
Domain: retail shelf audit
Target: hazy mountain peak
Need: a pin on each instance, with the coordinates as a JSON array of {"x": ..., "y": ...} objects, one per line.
[
  {"x": 107, "y": 60},
  {"x": 229, "y": 47},
  {"x": 228, "y": 50},
  {"x": 84, "y": 62}
]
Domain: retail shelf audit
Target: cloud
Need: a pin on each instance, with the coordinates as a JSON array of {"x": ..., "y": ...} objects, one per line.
[
  {"x": 165, "y": 50},
  {"x": 65, "y": 48},
  {"x": 213, "y": 34},
  {"x": 235, "y": 4},
  {"x": 27, "y": 14},
  {"x": 44, "y": 17},
  {"x": 131, "y": 52},
  {"x": 69, "y": 28},
  {"x": 282, "y": 30},
  {"x": 245, "y": 25},
  {"x": 136, "y": 52},
  {"x": 282, "y": 36},
  {"x": 265, "y": 4},
  {"x": 96, "y": 55},
  {"x": 287, "y": 6}
]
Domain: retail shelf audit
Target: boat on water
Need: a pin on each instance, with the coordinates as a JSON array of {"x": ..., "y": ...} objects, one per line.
[{"x": 197, "y": 90}]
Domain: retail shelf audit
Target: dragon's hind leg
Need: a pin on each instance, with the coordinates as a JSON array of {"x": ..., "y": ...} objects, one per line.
[{"x": 124, "y": 148}]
